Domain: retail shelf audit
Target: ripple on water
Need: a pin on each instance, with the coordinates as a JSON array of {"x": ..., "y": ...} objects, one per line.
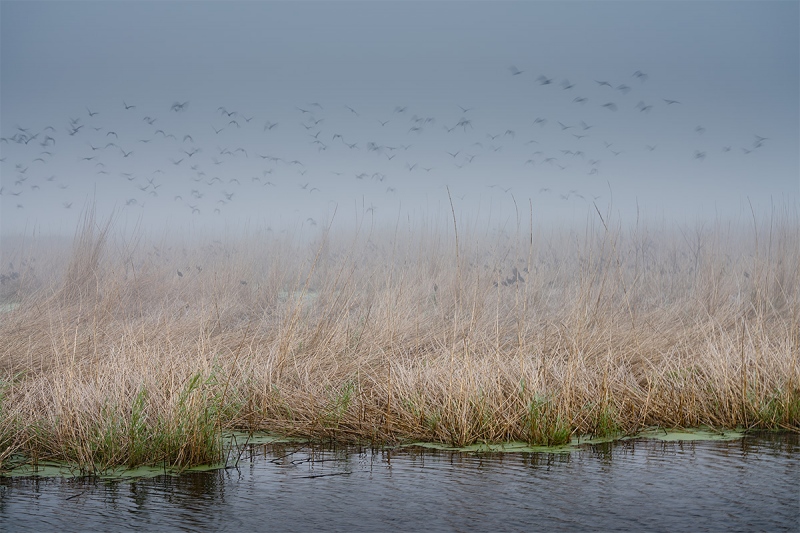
[{"x": 748, "y": 484}]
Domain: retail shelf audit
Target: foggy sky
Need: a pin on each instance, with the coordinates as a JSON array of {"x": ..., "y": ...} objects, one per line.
[{"x": 328, "y": 74}]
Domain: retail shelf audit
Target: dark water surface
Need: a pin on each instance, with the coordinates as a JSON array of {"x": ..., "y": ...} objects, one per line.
[{"x": 749, "y": 484}]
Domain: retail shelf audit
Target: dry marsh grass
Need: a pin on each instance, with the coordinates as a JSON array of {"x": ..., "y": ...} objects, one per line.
[{"x": 141, "y": 351}]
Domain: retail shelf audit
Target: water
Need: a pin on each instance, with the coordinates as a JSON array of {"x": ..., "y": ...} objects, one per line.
[{"x": 749, "y": 484}]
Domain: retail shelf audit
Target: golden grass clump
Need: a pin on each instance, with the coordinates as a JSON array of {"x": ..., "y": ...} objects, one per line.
[{"x": 130, "y": 351}]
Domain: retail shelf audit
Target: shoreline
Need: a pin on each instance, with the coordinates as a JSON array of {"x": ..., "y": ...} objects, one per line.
[
  {"x": 123, "y": 353},
  {"x": 236, "y": 442}
]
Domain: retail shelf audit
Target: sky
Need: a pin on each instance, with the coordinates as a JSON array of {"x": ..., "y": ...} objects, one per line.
[{"x": 290, "y": 114}]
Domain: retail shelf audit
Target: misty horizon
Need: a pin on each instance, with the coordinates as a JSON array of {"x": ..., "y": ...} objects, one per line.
[{"x": 233, "y": 115}]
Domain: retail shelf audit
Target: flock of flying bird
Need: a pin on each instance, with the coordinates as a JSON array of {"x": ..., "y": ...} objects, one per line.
[{"x": 193, "y": 164}]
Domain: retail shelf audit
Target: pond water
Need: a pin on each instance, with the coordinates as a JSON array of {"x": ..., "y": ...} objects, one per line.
[{"x": 747, "y": 484}]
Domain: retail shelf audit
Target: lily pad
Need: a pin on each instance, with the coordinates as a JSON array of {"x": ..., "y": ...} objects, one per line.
[
  {"x": 52, "y": 469},
  {"x": 513, "y": 447},
  {"x": 576, "y": 443},
  {"x": 690, "y": 434}
]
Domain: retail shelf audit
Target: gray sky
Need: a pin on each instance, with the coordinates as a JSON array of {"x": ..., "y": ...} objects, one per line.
[{"x": 370, "y": 99}]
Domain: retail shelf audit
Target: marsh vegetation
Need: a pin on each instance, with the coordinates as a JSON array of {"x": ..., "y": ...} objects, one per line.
[{"x": 131, "y": 349}]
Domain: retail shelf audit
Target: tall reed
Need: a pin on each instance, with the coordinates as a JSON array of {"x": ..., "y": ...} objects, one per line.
[{"x": 141, "y": 351}]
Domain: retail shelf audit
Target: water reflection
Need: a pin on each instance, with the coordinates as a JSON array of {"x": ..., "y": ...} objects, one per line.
[{"x": 744, "y": 485}]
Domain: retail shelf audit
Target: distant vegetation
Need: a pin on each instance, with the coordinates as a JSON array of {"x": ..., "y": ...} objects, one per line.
[{"x": 129, "y": 351}]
